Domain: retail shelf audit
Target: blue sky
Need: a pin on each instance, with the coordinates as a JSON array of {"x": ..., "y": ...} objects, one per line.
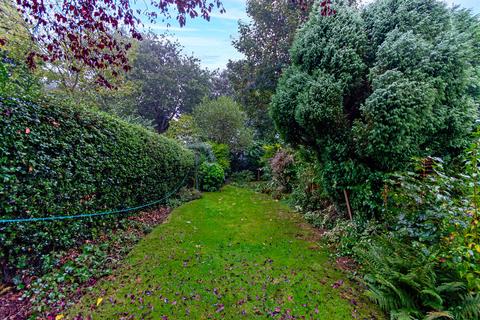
[{"x": 211, "y": 41}]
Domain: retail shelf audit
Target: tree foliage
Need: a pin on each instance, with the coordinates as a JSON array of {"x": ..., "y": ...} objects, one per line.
[
  {"x": 368, "y": 90},
  {"x": 171, "y": 83},
  {"x": 85, "y": 30},
  {"x": 265, "y": 42},
  {"x": 184, "y": 129},
  {"x": 223, "y": 121}
]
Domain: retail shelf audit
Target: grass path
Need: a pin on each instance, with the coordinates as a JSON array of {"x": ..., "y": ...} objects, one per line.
[{"x": 233, "y": 254}]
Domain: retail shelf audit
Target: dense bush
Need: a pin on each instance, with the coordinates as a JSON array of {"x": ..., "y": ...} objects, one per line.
[
  {"x": 410, "y": 284},
  {"x": 62, "y": 160},
  {"x": 212, "y": 176},
  {"x": 249, "y": 159},
  {"x": 282, "y": 168},
  {"x": 222, "y": 154},
  {"x": 222, "y": 120},
  {"x": 428, "y": 261},
  {"x": 368, "y": 90},
  {"x": 307, "y": 193}
]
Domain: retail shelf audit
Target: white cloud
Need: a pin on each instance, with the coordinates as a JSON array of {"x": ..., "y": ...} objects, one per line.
[
  {"x": 160, "y": 27},
  {"x": 192, "y": 41},
  {"x": 231, "y": 14}
]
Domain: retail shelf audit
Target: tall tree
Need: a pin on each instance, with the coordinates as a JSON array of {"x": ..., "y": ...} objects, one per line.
[
  {"x": 171, "y": 82},
  {"x": 367, "y": 91},
  {"x": 16, "y": 80},
  {"x": 84, "y": 30},
  {"x": 265, "y": 42},
  {"x": 220, "y": 84},
  {"x": 223, "y": 121}
]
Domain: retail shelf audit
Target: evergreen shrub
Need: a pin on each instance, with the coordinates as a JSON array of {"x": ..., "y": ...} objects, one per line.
[
  {"x": 66, "y": 160},
  {"x": 212, "y": 176}
]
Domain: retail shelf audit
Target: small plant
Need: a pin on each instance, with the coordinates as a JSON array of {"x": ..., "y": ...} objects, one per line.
[
  {"x": 184, "y": 195},
  {"x": 212, "y": 176},
  {"x": 282, "y": 165}
]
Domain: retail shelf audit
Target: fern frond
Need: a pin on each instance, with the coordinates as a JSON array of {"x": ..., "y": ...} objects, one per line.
[
  {"x": 403, "y": 314},
  {"x": 469, "y": 309},
  {"x": 431, "y": 298},
  {"x": 439, "y": 315},
  {"x": 450, "y": 287}
]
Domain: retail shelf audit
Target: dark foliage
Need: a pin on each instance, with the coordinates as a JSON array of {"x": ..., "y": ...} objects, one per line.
[
  {"x": 368, "y": 90},
  {"x": 170, "y": 82},
  {"x": 84, "y": 30},
  {"x": 58, "y": 160}
]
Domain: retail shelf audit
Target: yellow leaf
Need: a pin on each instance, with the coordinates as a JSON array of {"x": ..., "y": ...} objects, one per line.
[
  {"x": 99, "y": 300},
  {"x": 59, "y": 317}
]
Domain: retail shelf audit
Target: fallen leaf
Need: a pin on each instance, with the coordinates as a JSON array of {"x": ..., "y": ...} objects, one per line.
[
  {"x": 220, "y": 308},
  {"x": 99, "y": 300},
  {"x": 337, "y": 284}
]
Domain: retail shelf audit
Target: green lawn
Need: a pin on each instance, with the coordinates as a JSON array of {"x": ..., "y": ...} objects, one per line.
[{"x": 233, "y": 254}]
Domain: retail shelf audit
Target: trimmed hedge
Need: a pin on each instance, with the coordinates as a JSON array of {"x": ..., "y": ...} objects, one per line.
[{"x": 64, "y": 160}]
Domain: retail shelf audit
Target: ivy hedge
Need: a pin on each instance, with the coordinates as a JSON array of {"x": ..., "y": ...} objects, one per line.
[{"x": 66, "y": 160}]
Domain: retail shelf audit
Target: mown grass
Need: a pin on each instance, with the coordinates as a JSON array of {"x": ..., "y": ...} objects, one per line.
[{"x": 233, "y": 254}]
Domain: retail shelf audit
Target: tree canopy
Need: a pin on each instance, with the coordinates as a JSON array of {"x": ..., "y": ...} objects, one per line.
[
  {"x": 85, "y": 30},
  {"x": 222, "y": 121},
  {"x": 370, "y": 90},
  {"x": 171, "y": 82},
  {"x": 265, "y": 42}
]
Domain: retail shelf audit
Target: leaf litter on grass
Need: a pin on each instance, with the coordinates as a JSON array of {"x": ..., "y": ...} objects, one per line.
[{"x": 242, "y": 256}]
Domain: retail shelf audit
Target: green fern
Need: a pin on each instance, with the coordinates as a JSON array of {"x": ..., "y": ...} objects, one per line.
[
  {"x": 403, "y": 314},
  {"x": 434, "y": 315},
  {"x": 409, "y": 285},
  {"x": 469, "y": 309}
]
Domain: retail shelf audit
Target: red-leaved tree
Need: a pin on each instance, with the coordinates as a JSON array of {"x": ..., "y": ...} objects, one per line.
[
  {"x": 87, "y": 31},
  {"x": 93, "y": 33}
]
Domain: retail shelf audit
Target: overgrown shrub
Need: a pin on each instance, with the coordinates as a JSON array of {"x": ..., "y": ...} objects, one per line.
[
  {"x": 222, "y": 154},
  {"x": 250, "y": 159},
  {"x": 212, "y": 176},
  {"x": 410, "y": 284},
  {"x": 368, "y": 89},
  {"x": 439, "y": 213},
  {"x": 282, "y": 167},
  {"x": 307, "y": 191},
  {"x": 63, "y": 160},
  {"x": 428, "y": 263}
]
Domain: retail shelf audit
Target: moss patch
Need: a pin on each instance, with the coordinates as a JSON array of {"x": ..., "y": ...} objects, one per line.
[{"x": 233, "y": 254}]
